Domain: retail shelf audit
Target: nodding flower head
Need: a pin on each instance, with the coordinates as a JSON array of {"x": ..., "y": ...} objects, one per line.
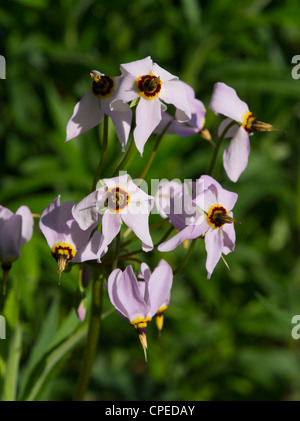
[
  {"x": 67, "y": 241},
  {"x": 225, "y": 101},
  {"x": 138, "y": 301}
]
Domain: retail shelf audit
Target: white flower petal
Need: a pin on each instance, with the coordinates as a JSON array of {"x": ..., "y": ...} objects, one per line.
[
  {"x": 86, "y": 115},
  {"x": 235, "y": 157},
  {"x": 225, "y": 101}
]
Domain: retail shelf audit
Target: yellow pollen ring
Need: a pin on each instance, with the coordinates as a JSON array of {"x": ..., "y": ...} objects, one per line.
[
  {"x": 149, "y": 86},
  {"x": 64, "y": 250},
  {"x": 117, "y": 199},
  {"x": 211, "y": 215},
  {"x": 140, "y": 322},
  {"x": 247, "y": 121}
]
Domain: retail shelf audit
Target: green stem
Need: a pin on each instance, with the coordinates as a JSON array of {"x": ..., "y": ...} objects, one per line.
[
  {"x": 131, "y": 253},
  {"x": 126, "y": 158},
  {"x": 104, "y": 152},
  {"x": 3, "y": 284},
  {"x": 187, "y": 256},
  {"x": 92, "y": 340},
  {"x": 153, "y": 153},
  {"x": 117, "y": 250},
  {"x": 217, "y": 147}
]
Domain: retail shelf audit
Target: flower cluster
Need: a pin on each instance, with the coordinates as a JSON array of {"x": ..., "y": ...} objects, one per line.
[{"x": 144, "y": 100}]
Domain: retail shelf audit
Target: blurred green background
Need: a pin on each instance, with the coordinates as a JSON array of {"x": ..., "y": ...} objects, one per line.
[{"x": 227, "y": 338}]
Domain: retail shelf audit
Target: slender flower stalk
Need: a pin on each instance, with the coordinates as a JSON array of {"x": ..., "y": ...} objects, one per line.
[
  {"x": 104, "y": 152},
  {"x": 153, "y": 152},
  {"x": 217, "y": 146},
  {"x": 92, "y": 340}
]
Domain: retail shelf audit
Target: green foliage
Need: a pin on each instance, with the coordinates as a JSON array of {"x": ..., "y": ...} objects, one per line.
[{"x": 227, "y": 338}]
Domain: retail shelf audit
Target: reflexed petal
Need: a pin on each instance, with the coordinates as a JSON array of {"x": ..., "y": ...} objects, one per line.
[
  {"x": 138, "y": 68},
  {"x": 228, "y": 238},
  {"x": 126, "y": 93},
  {"x": 86, "y": 212},
  {"x": 90, "y": 251},
  {"x": 214, "y": 248},
  {"x": 27, "y": 224},
  {"x": 159, "y": 286},
  {"x": 10, "y": 238},
  {"x": 188, "y": 233},
  {"x": 223, "y": 197},
  {"x": 111, "y": 225},
  {"x": 86, "y": 115},
  {"x": 231, "y": 131},
  {"x": 145, "y": 272},
  {"x": 206, "y": 200},
  {"x": 122, "y": 124},
  {"x": 52, "y": 222},
  {"x": 163, "y": 74},
  {"x": 225, "y": 101},
  {"x": 173, "y": 92},
  {"x": 139, "y": 223},
  {"x": 4, "y": 215},
  {"x": 112, "y": 288},
  {"x": 148, "y": 115},
  {"x": 130, "y": 296},
  {"x": 235, "y": 157}
]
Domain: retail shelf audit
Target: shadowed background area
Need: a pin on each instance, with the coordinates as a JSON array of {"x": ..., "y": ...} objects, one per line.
[{"x": 227, "y": 338}]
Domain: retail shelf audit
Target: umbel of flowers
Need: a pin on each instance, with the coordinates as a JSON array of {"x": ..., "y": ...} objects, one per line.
[{"x": 144, "y": 99}]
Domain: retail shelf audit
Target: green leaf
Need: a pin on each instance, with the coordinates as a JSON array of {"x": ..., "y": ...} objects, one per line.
[{"x": 12, "y": 366}]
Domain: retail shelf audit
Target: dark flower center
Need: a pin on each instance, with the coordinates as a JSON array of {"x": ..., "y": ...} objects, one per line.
[
  {"x": 149, "y": 86},
  {"x": 102, "y": 85},
  {"x": 117, "y": 199},
  {"x": 218, "y": 216}
]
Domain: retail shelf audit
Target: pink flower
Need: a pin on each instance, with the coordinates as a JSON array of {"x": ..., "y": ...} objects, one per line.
[
  {"x": 67, "y": 241},
  {"x": 216, "y": 224},
  {"x": 15, "y": 231},
  {"x": 89, "y": 111},
  {"x": 190, "y": 127},
  {"x": 225, "y": 101},
  {"x": 119, "y": 199},
  {"x": 139, "y": 301},
  {"x": 150, "y": 84}
]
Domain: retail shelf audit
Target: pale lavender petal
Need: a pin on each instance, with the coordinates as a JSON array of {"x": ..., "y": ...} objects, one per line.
[
  {"x": 90, "y": 251},
  {"x": 130, "y": 296},
  {"x": 145, "y": 272},
  {"x": 120, "y": 181},
  {"x": 51, "y": 223},
  {"x": 122, "y": 124},
  {"x": 138, "y": 68},
  {"x": 86, "y": 115},
  {"x": 4, "y": 214},
  {"x": 231, "y": 131},
  {"x": 27, "y": 224},
  {"x": 214, "y": 248},
  {"x": 223, "y": 197},
  {"x": 112, "y": 288},
  {"x": 148, "y": 115},
  {"x": 86, "y": 212},
  {"x": 139, "y": 223},
  {"x": 163, "y": 74},
  {"x": 188, "y": 233},
  {"x": 225, "y": 101},
  {"x": 159, "y": 286},
  {"x": 111, "y": 225},
  {"x": 10, "y": 238},
  {"x": 206, "y": 200},
  {"x": 173, "y": 92},
  {"x": 228, "y": 238},
  {"x": 235, "y": 157},
  {"x": 127, "y": 91}
]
